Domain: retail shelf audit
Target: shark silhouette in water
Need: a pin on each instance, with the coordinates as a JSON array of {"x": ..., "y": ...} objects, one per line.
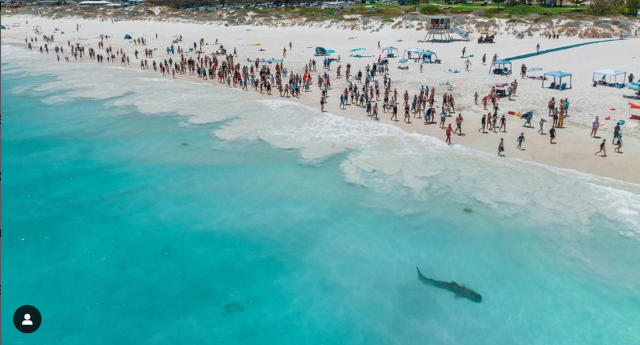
[{"x": 458, "y": 290}]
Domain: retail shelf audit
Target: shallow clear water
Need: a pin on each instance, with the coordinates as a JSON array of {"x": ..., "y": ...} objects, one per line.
[{"x": 138, "y": 210}]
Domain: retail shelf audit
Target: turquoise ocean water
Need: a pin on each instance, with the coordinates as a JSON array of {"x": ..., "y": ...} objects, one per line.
[{"x": 139, "y": 210}]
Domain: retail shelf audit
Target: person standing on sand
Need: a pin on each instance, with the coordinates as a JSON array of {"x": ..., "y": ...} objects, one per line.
[
  {"x": 551, "y": 105},
  {"x": 483, "y": 123},
  {"x": 484, "y": 59},
  {"x": 448, "y": 132},
  {"x": 603, "y": 148},
  {"x": 407, "y": 117},
  {"x": 541, "y": 129},
  {"x": 520, "y": 140},
  {"x": 552, "y": 135},
  {"x": 394, "y": 114},
  {"x": 538, "y": 48},
  {"x": 475, "y": 98},
  {"x": 594, "y": 126},
  {"x": 501, "y": 147}
]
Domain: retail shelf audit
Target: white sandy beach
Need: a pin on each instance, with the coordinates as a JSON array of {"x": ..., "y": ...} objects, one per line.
[{"x": 574, "y": 149}]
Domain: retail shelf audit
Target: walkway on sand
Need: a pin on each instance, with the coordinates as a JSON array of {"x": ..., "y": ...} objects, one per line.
[{"x": 557, "y": 49}]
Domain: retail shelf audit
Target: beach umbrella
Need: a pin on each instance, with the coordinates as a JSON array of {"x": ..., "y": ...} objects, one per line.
[{"x": 127, "y": 37}]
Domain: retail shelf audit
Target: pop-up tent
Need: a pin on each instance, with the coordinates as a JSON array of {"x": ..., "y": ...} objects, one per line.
[
  {"x": 609, "y": 77},
  {"x": 413, "y": 53},
  {"x": 502, "y": 67},
  {"x": 557, "y": 80},
  {"x": 390, "y": 52},
  {"x": 320, "y": 51},
  {"x": 127, "y": 36},
  {"x": 634, "y": 110},
  {"x": 429, "y": 57}
]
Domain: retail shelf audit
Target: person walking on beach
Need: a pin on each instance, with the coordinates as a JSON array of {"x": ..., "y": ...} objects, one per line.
[
  {"x": 616, "y": 133},
  {"x": 475, "y": 98},
  {"x": 483, "y": 123},
  {"x": 541, "y": 129},
  {"x": 503, "y": 124},
  {"x": 520, "y": 140},
  {"x": 603, "y": 148},
  {"x": 552, "y": 135},
  {"x": 448, "y": 132},
  {"x": 538, "y": 48},
  {"x": 459, "y": 120},
  {"x": 619, "y": 145},
  {"x": 501, "y": 147}
]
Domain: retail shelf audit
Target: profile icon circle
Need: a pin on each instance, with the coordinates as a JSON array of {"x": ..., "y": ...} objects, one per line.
[{"x": 27, "y": 319}]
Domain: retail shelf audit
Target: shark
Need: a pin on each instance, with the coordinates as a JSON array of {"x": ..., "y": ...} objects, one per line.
[{"x": 459, "y": 290}]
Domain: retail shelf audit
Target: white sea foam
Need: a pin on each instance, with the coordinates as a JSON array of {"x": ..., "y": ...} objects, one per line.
[{"x": 378, "y": 156}]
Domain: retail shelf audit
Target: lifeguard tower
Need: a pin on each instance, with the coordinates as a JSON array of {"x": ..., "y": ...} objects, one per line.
[{"x": 438, "y": 28}]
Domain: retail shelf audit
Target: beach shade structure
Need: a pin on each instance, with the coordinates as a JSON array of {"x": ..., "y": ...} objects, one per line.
[
  {"x": 390, "y": 52},
  {"x": 321, "y": 51},
  {"x": 634, "y": 110},
  {"x": 127, "y": 36},
  {"x": 609, "y": 77},
  {"x": 501, "y": 67},
  {"x": 357, "y": 52},
  {"x": 429, "y": 57},
  {"x": 413, "y": 53},
  {"x": 557, "y": 80}
]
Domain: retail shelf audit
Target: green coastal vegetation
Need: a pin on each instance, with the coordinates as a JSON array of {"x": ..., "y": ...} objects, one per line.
[{"x": 494, "y": 8}]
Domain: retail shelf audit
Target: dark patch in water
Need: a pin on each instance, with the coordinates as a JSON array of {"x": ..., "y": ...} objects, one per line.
[
  {"x": 185, "y": 144},
  {"x": 233, "y": 308},
  {"x": 468, "y": 210}
]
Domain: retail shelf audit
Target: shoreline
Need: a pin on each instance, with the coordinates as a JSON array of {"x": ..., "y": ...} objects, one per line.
[{"x": 572, "y": 151}]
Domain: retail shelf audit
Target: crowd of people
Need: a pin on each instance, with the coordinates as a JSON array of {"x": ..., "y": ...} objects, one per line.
[{"x": 370, "y": 89}]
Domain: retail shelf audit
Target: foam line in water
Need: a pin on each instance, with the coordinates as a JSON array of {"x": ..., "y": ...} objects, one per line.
[{"x": 379, "y": 156}]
